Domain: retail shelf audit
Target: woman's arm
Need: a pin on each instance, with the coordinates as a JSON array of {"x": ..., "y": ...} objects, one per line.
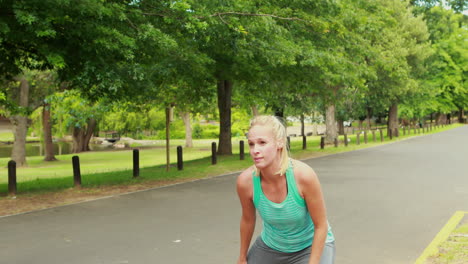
[
  {"x": 311, "y": 191},
  {"x": 247, "y": 223}
]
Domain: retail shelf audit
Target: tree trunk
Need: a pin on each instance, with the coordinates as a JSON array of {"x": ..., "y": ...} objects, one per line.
[
  {"x": 188, "y": 129},
  {"x": 224, "y": 106},
  {"x": 441, "y": 119},
  {"x": 302, "y": 125},
  {"x": 392, "y": 117},
  {"x": 331, "y": 131},
  {"x": 168, "y": 138},
  {"x": 461, "y": 115},
  {"x": 82, "y": 136},
  {"x": 254, "y": 110},
  {"x": 47, "y": 129},
  {"x": 314, "y": 125},
  {"x": 340, "y": 127},
  {"x": 369, "y": 116},
  {"x": 20, "y": 126}
]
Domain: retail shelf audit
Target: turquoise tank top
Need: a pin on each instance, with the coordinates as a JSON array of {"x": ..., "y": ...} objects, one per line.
[{"x": 287, "y": 226}]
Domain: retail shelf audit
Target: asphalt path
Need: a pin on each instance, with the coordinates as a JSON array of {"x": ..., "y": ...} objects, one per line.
[{"x": 385, "y": 205}]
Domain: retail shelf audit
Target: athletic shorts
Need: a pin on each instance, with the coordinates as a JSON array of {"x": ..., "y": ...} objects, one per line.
[{"x": 260, "y": 253}]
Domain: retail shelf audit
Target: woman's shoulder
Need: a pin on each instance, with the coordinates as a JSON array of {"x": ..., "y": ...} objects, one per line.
[
  {"x": 245, "y": 178},
  {"x": 303, "y": 172},
  {"x": 244, "y": 183}
]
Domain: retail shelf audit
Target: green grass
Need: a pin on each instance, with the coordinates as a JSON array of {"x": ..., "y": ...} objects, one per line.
[
  {"x": 455, "y": 249},
  {"x": 114, "y": 167}
]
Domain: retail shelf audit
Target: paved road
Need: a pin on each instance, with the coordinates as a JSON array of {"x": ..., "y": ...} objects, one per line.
[{"x": 385, "y": 205}]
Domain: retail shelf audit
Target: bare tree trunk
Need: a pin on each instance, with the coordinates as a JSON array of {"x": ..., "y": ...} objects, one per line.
[
  {"x": 302, "y": 125},
  {"x": 254, "y": 110},
  {"x": 224, "y": 106},
  {"x": 20, "y": 126},
  {"x": 82, "y": 136},
  {"x": 340, "y": 127},
  {"x": 369, "y": 116},
  {"x": 47, "y": 129},
  {"x": 168, "y": 138},
  {"x": 392, "y": 117},
  {"x": 314, "y": 125},
  {"x": 188, "y": 128},
  {"x": 331, "y": 131},
  {"x": 441, "y": 119}
]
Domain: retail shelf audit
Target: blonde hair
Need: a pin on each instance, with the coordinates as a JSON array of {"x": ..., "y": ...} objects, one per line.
[{"x": 279, "y": 131}]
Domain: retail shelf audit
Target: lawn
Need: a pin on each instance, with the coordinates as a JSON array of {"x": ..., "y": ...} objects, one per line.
[{"x": 114, "y": 167}]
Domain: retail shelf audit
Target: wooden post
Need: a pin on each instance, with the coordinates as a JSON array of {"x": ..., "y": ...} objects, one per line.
[
  {"x": 336, "y": 142},
  {"x": 136, "y": 163},
  {"x": 304, "y": 142},
  {"x": 213, "y": 153},
  {"x": 241, "y": 150},
  {"x": 12, "y": 178},
  {"x": 322, "y": 142},
  {"x": 180, "y": 158},
  {"x": 373, "y": 136},
  {"x": 365, "y": 136},
  {"x": 358, "y": 138},
  {"x": 76, "y": 171},
  {"x": 381, "y": 135},
  {"x": 288, "y": 146},
  {"x": 404, "y": 131},
  {"x": 345, "y": 140}
]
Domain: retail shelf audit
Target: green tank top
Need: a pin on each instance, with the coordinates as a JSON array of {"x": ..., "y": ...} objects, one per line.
[{"x": 287, "y": 226}]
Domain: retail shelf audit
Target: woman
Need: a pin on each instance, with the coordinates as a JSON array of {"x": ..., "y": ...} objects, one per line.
[{"x": 288, "y": 197}]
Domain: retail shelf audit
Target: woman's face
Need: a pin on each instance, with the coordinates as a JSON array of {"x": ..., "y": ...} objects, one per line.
[{"x": 264, "y": 148}]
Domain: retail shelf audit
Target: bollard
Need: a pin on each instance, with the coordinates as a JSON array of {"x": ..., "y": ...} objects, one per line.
[
  {"x": 381, "y": 135},
  {"x": 358, "y": 138},
  {"x": 180, "y": 159},
  {"x": 136, "y": 163},
  {"x": 12, "y": 178},
  {"x": 213, "y": 153},
  {"x": 76, "y": 171},
  {"x": 241, "y": 150},
  {"x": 336, "y": 142},
  {"x": 365, "y": 136},
  {"x": 322, "y": 142},
  {"x": 304, "y": 142},
  {"x": 373, "y": 136},
  {"x": 345, "y": 140}
]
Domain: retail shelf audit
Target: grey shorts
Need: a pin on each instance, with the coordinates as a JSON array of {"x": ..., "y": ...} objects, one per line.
[{"x": 260, "y": 253}]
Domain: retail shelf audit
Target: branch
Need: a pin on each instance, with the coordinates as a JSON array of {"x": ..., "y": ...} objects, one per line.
[
  {"x": 261, "y": 15},
  {"x": 220, "y": 14}
]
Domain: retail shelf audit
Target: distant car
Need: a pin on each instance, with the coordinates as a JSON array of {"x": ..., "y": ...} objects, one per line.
[{"x": 348, "y": 123}]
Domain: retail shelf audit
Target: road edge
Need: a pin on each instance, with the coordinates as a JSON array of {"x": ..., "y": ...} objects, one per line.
[{"x": 433, "y": 248}]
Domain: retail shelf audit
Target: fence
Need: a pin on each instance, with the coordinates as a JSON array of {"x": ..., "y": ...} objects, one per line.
[{"x": 12, "y": 179}]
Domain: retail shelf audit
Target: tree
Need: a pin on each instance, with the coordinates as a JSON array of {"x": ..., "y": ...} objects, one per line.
[
  {"x": 447, "y": 67},
  {"x": 79, "y": 116},
  {"x": 399, "y": 50}
]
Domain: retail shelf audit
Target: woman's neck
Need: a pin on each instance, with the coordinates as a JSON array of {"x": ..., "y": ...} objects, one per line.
[{"x": 270, "y": 173}]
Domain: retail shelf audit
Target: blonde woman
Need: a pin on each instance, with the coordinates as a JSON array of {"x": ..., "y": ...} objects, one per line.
[{"x": 287, "y": 195}]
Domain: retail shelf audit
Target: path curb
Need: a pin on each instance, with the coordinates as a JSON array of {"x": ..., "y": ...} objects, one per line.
[{"x": 443, "y": 234}]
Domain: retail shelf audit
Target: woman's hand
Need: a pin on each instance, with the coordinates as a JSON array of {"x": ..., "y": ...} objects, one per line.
[{"x": 242, "y": 261}]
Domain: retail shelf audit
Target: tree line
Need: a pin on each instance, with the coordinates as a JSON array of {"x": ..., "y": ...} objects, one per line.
[{"x": 398, "y": 59}]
